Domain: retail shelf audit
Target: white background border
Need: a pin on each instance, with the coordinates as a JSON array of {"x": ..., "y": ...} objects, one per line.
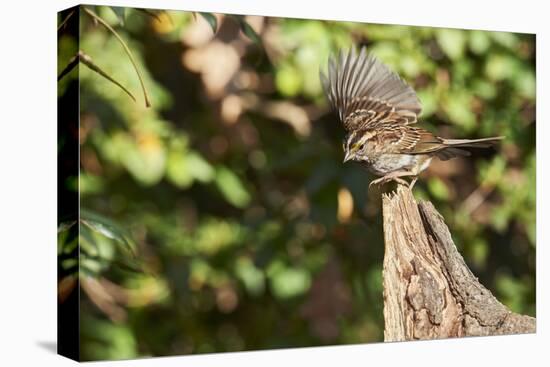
[{"x": 28, "y": 181}]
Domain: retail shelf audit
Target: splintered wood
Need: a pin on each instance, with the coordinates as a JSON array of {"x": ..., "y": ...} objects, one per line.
[{"x": 429, "y": 291}]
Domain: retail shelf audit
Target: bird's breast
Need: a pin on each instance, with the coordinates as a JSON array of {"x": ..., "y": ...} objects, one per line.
[{"x": 386, "y": 163}]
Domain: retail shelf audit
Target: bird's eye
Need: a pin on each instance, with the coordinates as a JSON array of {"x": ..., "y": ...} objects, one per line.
[{"x": 361, "y": 146}]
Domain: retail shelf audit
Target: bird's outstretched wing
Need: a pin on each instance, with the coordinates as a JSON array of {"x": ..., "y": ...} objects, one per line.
[
  {"x": 364, "y": 91},
  {"x": 404, "y": 139}
]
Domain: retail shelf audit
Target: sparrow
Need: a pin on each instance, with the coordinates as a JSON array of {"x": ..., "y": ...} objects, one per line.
[{"x": 378, "y": 110}]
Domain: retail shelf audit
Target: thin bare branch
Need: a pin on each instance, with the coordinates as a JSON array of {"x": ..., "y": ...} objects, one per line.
[
  {"x": 81, "y": 56},
  {"x": 87, "y": 60},
  {"x": 126, "y": 49},
  {"x": 62, "y": 24}
]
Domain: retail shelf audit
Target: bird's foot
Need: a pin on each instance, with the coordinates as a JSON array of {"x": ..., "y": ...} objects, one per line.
[{"x": 382, "y": 180}]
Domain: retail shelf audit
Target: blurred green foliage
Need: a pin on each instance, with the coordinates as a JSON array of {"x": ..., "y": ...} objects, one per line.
[{"x": 222, "y": 219}]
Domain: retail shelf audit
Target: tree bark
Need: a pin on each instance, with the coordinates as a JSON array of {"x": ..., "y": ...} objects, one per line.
[{"x": 429, "y": 291}]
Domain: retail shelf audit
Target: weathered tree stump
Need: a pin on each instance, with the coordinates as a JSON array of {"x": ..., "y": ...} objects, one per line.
[{"x": 429, "y": 291}]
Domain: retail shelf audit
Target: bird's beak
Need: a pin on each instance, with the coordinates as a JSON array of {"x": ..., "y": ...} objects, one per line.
[{"x": 348, "y": 156}]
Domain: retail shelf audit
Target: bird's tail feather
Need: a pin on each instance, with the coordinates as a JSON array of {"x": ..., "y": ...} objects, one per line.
[
  {"x": 472, "y": 143},
  {"x": 452, "y": 150}
]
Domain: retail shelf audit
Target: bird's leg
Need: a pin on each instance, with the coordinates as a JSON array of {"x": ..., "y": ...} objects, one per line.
[{"x": 394, "y": 176}]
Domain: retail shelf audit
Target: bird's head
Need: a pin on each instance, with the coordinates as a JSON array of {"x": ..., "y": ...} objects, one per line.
[{"x": 355, "y": 147}]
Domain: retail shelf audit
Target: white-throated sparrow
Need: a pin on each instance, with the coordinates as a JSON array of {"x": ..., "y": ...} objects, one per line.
[{"x": 377, "y": 109}]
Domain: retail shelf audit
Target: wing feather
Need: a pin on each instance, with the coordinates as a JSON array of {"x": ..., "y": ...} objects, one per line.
[{"x": 365, "y": 91}]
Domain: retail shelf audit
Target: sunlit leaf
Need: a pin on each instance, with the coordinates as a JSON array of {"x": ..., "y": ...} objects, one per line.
[
  {"x": 68, "y": 264},
  {"x": 215, "y": 235},
  {"x": 479, "y": 41},
  {"x": 526, "y": 84},
  {"x": 288, "y": 80},
  {"x": 506, "y": 39},
  {"x": 120, "y": 13},
  {"x": 183, "y": 167},
  {"x": 232, "y": 187},
  {"x": 107, "y": 228},
  {"x": 90, "y": 184},
  {"x": 501, "y": 66},
  {"x": 290, "y": 282},
  {"x": 199, "y": 168},
  {"x": 251, "y": 276},
  {"x": 438, "y": 188},
  {"x": 429, "y": 102},
  {"x": 145, "y": 159},
  {"x": 88, "y": 244},
  {"x": 452, "y": 42},
  {"x": 458, "y": 107},
  {"x": 177, "y": 171}
]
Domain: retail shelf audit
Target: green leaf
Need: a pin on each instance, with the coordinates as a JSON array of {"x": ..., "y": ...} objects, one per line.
[
  {"x": 177, "y": 172},
  {"x": 99, "y": 240},
  {"x": 212, "y": 20},
  {"x": 288, "y": 80},
  {"x": 526, "y": 84},
  {"x": 438, "y": 188},
  {"x": 90, "y": 184},
  {"x": 252, "y": 277},
  {"x": 67, "y": 238},
  {"x": 146, "y": 162},
  {"x": 215, "y": 235},
  {"x": 67, "y": 264},
  {"x": 458, "y": 108},
  {"x": 120, "y": 13},
  {"x": 452, "y": 42},
  {"x": 88, "y": 244},
  {"x": 107, "y": 228},
  {"x": 429, "y": 101},
  {"x": 249, "y": 31},
  {"x": 183, "y": 167},
  {"x": 501, "y": 66},
  {"x": 232, "y": 188},
  {"x": 199, "y": 167},
  {"x": 479, "y": 42},
  {"x": 290, "y": 282},
  {"x": 506, "y": 39}
]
